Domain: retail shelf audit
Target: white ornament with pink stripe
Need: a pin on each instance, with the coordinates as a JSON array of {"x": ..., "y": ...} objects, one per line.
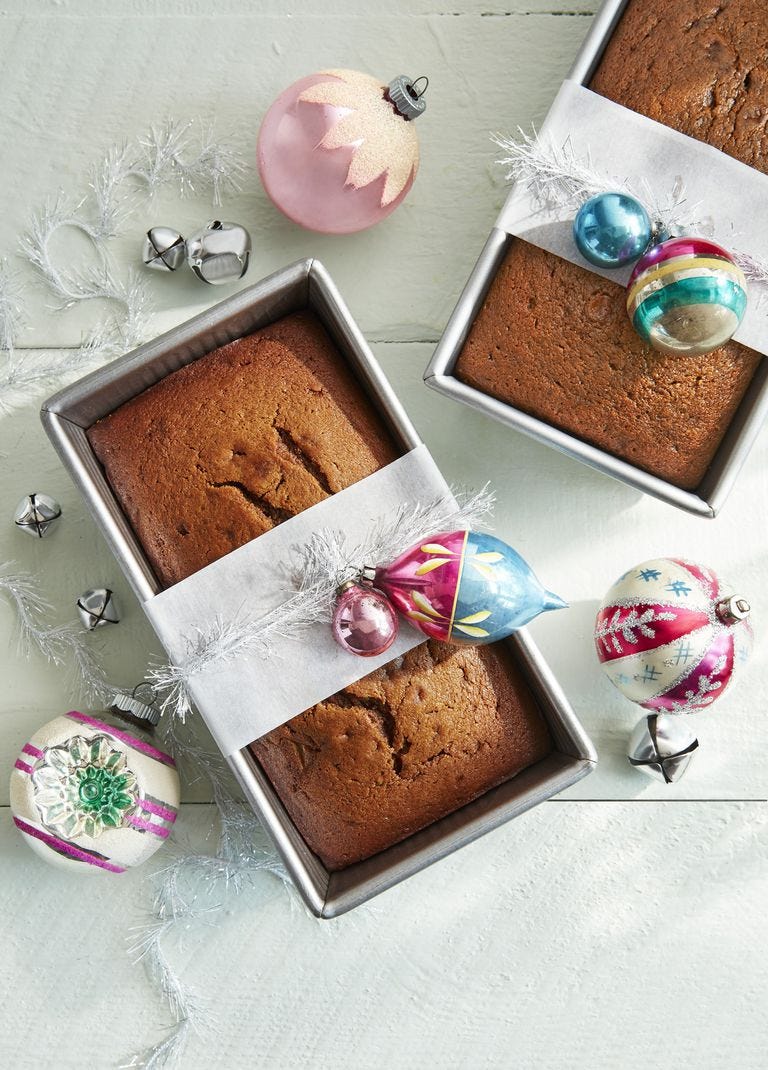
[
  {"x": 92, "y": 793},
  {"x": 671, "y": 637}
]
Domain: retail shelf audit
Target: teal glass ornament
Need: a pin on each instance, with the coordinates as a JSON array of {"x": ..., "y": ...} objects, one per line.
[{"x": 611, "y": 230}]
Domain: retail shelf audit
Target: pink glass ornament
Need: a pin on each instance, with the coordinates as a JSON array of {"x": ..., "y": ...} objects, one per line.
[
  {"x": 364, "y": 621},
  {"x": 334, "y": 154}
]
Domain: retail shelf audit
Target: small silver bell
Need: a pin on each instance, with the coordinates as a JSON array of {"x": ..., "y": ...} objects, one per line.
[
  {"x": 662, "y": 746},
  {"x": 164, "y": 249},
  {"x": 219, "y": 253},
  {"x": 36, "y": 514},
  {"x": 97, "y": 607}
]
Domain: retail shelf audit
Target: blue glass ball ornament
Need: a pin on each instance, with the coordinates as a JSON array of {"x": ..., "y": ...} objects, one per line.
[{"x": 611, "y": 230}]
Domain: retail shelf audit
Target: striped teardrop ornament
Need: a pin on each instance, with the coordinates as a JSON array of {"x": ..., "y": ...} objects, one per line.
[
  {"x": 670, "y": 637},
  {"x": 686, "y": 296}
]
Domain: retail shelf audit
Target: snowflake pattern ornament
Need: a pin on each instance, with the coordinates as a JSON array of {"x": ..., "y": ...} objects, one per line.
[
  {"x": 670, "y": 637},
  {"x": 338, "y": 152}
]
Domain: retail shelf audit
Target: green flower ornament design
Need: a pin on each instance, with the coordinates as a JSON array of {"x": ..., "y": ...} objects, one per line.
[{"x": 84, "y": 786}]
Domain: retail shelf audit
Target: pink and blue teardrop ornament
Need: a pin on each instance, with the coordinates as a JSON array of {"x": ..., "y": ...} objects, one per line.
[{"x": 465, "y": 587}]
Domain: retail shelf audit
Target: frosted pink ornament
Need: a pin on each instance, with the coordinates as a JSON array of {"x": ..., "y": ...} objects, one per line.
[
  {"x": 338, "y": 152},
  {"x": 364, "y": 621}
]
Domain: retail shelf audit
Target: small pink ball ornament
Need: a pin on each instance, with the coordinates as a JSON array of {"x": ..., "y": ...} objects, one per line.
[
  {"x": 364, "y": 621},
  {"x": 338, "y": 152}
]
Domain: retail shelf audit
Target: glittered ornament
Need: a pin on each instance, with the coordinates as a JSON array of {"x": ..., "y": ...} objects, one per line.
[
  {"x": 686, "y": 296},
  {"x": 97, "y": 608},
  {"x": 92, "y": 792},
  {"x": 670, "y": 637},
  {"x": 338, "y": 150},
  {"x": 611, "y": 230},
  {"x": 364, "y": 621},
  {"x": 662, "y": 746},
  {"x": 36, "y": 514},
  {"x": 464, "y": 587}
]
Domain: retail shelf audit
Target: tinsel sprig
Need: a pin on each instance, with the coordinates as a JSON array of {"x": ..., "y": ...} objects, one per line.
[
  {"x": 317, "y": 570},
  {"x": 559, "y": 178},
  {"x": 63, "y": 644}
]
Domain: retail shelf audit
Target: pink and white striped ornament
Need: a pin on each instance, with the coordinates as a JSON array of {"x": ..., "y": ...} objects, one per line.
[
  {"x": 94, "y": 795},
  {"x": 670, "y": 637}
]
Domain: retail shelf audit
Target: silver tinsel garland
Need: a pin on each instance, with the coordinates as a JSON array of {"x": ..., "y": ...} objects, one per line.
[
  {"x": 315, "y": 574},
  {"x": 186, "y": 156}
]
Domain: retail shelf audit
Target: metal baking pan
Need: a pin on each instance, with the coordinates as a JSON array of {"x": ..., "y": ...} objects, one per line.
[
  {"x": 707, "y": 499},
  {"x": 69, "y": 414}
]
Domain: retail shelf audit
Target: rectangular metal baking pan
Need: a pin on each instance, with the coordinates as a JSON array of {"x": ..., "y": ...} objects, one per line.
[
  {"x": 707, "y": 499},
  {"x": 69, "y": 414}
]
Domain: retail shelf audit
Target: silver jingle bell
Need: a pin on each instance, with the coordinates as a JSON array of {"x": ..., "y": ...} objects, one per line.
[
  {"x": 662, "y": 746},
  {"x": 219, "y": 253},
  {"x": 164, "y": 249},
  {"x": 36, "y": 514},
  {"x": 97, "y": 607}
]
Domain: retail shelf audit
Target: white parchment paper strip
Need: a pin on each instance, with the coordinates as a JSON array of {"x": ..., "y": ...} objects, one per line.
[
  {"x": 251, "y": 695},
  {"x": 636, "y": 150}
]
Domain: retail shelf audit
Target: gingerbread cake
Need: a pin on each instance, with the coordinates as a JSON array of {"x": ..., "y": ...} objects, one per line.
[
  {"x": 238, "y": 441},
  {"x": 553, "y": 339}
]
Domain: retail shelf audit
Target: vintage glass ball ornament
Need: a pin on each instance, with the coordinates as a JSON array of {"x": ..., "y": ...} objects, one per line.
[
  {"x": 92, "y": 792},
  {"x": 364, "y": 621},
  {"x": 464, "y": 587},
  {"x": 670, "y": 637},
  {"x": 36, "y": 515},
  {"x": 97, "y": 608},
  {"x": 611, "y": 230},
  {"x": 662, "y": 746},
  {"x": 686, "y": 296},
  {"x": 338, "y": 150}
]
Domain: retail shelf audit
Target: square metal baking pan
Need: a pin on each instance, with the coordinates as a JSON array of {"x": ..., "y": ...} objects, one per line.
[
  {"x": 69, "y": 414},
  {"x": 707, "y": 499}
]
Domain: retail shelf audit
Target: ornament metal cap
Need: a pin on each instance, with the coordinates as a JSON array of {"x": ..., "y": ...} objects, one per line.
[
  {"x": 164, "y": 249},
  {"x": 139, "y": 703},
  {"x": 36, "y": 514},
  {"x": 733, "y": 609},
  {"x": 407, "y": 95},
  {"x": 662, "y": 746}
]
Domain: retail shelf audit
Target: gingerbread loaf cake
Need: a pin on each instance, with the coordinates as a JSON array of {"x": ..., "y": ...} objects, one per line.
[
  {"x": 553, "y": 339},
  {"x": 233, "y": 444}
]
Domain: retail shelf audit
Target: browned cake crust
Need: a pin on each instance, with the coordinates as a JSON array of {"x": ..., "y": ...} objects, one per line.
[
  {"x": 224, "y": 449},
  {"x": 405, "y": 746},
  {"x": 554, "y": 339},
  {"x": 575, "y": 361},
  {"x": 238, "y": 441}
]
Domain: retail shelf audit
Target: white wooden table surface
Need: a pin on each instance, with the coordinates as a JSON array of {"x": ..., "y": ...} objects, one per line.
[{"x": 619, "y": 926}]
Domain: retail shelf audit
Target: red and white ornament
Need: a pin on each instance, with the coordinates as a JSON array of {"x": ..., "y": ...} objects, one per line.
[{"x": 670, "y": 637}]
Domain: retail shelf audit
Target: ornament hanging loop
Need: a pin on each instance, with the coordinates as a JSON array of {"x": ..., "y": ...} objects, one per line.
[
  {"x": 406, "y": 95},
  {"x": 733, "y": 609}
]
